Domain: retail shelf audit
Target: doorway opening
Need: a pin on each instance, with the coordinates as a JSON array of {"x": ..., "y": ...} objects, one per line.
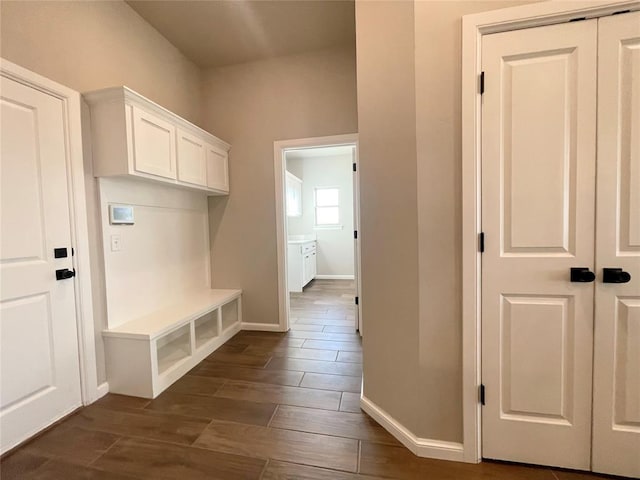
[{"x": 318, "y": 244}]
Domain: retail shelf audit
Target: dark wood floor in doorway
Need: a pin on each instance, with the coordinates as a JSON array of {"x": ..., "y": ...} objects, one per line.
[{"x": 264, "y": 406}]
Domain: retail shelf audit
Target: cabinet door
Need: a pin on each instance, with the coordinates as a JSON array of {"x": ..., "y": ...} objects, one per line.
[
  {"x": 154, "y": 144},
  {"x": 313, "y": 260},
  {"x": 217, "y": 168},
  {"x": 192, "y": 159}
]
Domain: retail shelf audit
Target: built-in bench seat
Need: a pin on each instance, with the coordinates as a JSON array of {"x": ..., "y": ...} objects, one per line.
[{"x": 146, "y": 355}]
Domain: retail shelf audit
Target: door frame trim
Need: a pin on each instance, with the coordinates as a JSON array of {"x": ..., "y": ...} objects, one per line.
[
  {"x": 78, "y": 218},
  {"x": 473, "y": 28},
  {"x": 279, "y": 149}
]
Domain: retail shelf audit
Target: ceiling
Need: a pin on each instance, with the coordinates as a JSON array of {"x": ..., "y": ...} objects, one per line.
[{"x": 213, "y": 33}]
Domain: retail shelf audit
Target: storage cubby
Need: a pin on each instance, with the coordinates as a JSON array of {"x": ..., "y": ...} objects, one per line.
[
  {"x": 146, "y": 355},
  {"x": 230, "y": 314},
  {"x": 206, "y": 328},
  {"x": 173, "y": 347}
]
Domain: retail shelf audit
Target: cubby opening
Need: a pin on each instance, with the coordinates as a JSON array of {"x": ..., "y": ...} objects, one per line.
[
  {"x": 173, "y": 347},
  {"x": 230, "y": 314},
  {"x": 206, "y": 328}
]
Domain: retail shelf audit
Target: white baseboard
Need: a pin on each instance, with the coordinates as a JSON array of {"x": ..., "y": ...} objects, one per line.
[
  {"x": 335, "y": 277},
  {"x": 261, "y": 327},
  {"x": 422, "y": 447},
  {"x": 102, "y": 390}
]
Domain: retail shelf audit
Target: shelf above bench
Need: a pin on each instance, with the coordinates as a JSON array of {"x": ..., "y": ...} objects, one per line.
[{"x": 146, "y": 355}]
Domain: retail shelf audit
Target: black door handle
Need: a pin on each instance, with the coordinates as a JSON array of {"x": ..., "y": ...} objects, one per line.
[
  {"x": 582, "y": 274},
  {"x": 615, "y": 275},
  {"x": 65, "y": 273}
]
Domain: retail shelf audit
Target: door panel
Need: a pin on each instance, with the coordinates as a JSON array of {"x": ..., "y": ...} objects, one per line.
[
  {"x": 217, "y": 169},
  {"x": 538, "y": 146},
  {"x": 39, "y": 370},
  {"x": 537, "y": 110},
  {"x": 154, "y": 144},
  {"x": 192, "y": 159},
  {"x": 616, "y": 394}
]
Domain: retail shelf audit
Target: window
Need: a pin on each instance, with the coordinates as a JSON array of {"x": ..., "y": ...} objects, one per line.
[{"x": 327, "y": 206}]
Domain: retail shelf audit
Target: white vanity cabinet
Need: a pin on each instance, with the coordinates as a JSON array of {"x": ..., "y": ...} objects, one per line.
[
  {"x": 133, "y": 136},
  {"x": 301, "y": 264}
]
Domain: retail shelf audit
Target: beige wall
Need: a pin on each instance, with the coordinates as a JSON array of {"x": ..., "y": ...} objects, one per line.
[
  {"x": 87, "y": 45},
  {"x": 409, "y": 112},
  {"x": 388, "y": 206},
  {"x": 250, "y": 106}
]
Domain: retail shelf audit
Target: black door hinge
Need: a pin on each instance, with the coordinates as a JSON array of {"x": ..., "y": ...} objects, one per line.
[
  {"x": 481, "y": 394},
  {"x": 481, "y": 83},
  {"x": 357, "y": 300},
  {"x": 355, "y": 234},
  {"x": 354, "y": 167},
  {"x": 481, "y": 242}
]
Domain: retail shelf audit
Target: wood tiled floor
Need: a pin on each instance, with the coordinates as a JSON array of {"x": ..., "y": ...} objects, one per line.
[{"x": 264, "y": 406}]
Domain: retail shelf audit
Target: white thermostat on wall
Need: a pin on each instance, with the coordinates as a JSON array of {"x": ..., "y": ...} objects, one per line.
[{"x": 121, "y": 215}]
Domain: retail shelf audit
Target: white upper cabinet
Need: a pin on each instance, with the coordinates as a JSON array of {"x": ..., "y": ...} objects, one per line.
[
  {"x": 132, "y": 136},
  {"x": 192, "y": 159},
  {"x": 154, "y": 144},
  {"x": 217, "y": 168}
]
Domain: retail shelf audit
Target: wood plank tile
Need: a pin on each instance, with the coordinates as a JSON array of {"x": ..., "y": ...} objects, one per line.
[
  {"x": 400, "y": 463},
  {"x": 338, "y": 383},
  {"x": 237, "y": 410},
  {"x": 315, "y": 366},
  {"x": 286, "y": 445},
  {"x": 290, "y": 471},
  {"x": 232, "y": 372},
  {"x": 232, "y": 348},
  {"x": 330, "y": 345},
  {"x": 156, "y": 460},
  {"x": 337, "y": 337},
  {"x": 305, "y": 328},
  {"x": 242, "y": 359},
  {"x": 353, "y": 357},
  {"x": 140, "y": 423},
  {"x": 336, "y": 329},
  {"x": 197, "y": 385},
  {"x": 302, "y": 397},
  {"x": 113, "y": 400},
  {"x": 19, "y": 464},
  {"x": 339, "y": 424},
  {"x": 350, "y": 402},
  {"x": 60, "y": 470},
  {"x": 338, "y": 321},
  {"x": 310, "y": 354},
  {"x": 73, "y": 444},
  {"x": 269, "y": 342}
]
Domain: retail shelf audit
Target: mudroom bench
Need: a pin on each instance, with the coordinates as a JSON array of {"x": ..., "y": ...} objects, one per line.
[{"x": 146, "y": 355}]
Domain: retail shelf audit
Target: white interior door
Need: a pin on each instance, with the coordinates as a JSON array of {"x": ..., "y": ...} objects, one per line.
[
  {"x": 538, "y": 193},
  {"x": 356, "y": 240},
  {"x": 39, "y": 369},
  {"x": 616, "y": 390}
]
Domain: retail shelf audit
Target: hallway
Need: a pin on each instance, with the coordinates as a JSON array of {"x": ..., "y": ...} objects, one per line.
[{"x": 264, "y": 406}]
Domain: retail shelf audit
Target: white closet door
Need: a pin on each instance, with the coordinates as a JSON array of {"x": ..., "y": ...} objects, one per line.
[
  {"x": 538, "y": 188},
  {"x": 616, "y": 393},
  {"x": 39, "y": 366}
]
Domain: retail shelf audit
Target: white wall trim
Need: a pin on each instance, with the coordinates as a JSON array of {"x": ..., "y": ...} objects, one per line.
[
  {"x": 422, "y": 447},
  {"x": 279, "y": 167},
  {"x": 473, "y": 27},
  {"x": 103, "y": 389},
  {"x": 78, "y": 217},
  {"x": 260, "y": 327},
  {"x": 335, "y": 277}
]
